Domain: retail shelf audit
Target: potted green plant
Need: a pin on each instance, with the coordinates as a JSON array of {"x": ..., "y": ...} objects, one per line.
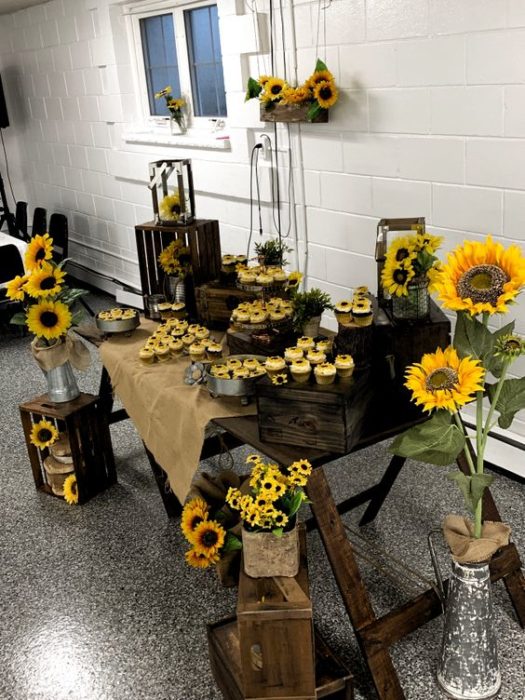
[
  {"x": 308, "y": 308},
  {"x": 272, "y": 252}
]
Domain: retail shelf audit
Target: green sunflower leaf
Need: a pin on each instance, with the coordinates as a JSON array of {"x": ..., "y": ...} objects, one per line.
[
  {"x": 472, "y": 487},
  {"x": 320, "y": 65},
  {"x": 253, "y": 89},
  {"x": 19, "y": 319},
  {"x": 231, "y": 543},
  {"x": 511, "y": 400},
  {"x": 438, "y": 441},
  {"x": 314, "y": 110},
  {"x": 278, "y": 531},
  {"x": 472, "y": 338},
  {"x": 295, "y": 503},
  {"x": 463, "y": 482}
]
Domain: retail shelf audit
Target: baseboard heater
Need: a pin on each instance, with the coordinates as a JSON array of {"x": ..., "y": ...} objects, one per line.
[{"x": 123, "y": 293}]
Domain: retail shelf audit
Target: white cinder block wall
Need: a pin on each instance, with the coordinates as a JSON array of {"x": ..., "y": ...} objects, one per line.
[{"x": 431, "y": 122}]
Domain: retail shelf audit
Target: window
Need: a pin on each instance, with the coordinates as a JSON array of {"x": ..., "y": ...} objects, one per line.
[{"x": 180, "y": 48}]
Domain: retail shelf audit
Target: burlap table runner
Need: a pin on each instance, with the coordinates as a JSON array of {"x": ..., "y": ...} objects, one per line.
[{"x": 170, "y": 416}]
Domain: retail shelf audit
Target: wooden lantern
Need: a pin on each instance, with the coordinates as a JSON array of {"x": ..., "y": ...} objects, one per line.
[{"x": 172, "y": 177}]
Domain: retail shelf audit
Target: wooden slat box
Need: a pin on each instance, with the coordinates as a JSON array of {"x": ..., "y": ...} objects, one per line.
[
  {"x": 215, "y": 303},
  {"x": 310, "y": 415},
  {"x": 241, "y": 343},
  {"x": 332, "y": 679},
  {"x": 85, "y": 422}
]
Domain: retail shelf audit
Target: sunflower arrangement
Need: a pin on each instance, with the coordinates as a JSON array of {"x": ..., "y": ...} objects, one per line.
[
  {"x": 175, "y": 259},
  {"x": 208, "y": 535},
  {"x": 47, "y": 300},
  {"x": 175, "y": 105},
  {"x": 319, "y": 92},
  {"x": 410, "y": 259},
  {"x": 479, "y": 281},
  {"x": 274, "y": 498}
]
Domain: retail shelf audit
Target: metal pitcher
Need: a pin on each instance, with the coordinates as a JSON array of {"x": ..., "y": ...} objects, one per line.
[
  {"x": 468, "y": 664},
  {"x": 61, "y": 384}
]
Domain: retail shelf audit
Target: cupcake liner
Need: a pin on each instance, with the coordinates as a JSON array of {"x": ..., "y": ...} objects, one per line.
[
  {"x": 301, "y": 377},
  {"x": 325, "y": 379}
]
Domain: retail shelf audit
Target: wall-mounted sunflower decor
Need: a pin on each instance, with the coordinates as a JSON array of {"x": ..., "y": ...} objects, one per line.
[{"x": 309, "y": 102}]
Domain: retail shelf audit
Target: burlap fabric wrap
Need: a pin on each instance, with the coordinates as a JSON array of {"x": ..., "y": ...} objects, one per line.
[
  {"x": 213, "y": 490},
  {"x": 465, "y": 548},
  {"x": 70, "y": 349}
]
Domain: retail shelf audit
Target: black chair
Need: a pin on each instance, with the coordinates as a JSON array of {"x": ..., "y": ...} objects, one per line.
[
  {"x": 21, "y": 221},
  {"x": 39, "y": 222},
  {"x": 11, "y": 265},
  {"x": 58, "y": 231}
]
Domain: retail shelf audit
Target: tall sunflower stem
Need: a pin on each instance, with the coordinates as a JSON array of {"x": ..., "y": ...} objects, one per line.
[
  {"x": 468, "y": 456},
  {"x": 493, "y": 403}
]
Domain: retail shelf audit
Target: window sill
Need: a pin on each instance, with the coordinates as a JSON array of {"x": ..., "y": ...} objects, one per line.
[{"x": 191, "y": 139}]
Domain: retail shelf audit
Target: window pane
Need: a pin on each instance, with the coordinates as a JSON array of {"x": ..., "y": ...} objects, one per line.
[
  {"x": 160, "y": 59},
  {"x": 204, "y": 53}
]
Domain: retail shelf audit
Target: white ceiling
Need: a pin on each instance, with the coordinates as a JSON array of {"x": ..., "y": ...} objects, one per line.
[{"x": 14, "y": 5}]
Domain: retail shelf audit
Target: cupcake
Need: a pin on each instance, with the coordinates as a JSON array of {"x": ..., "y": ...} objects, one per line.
[
  {"x": 216, "y": 370},
  {"x": 316, "y": 357},
  {"x": 344, "y": 365},
  {"x": 343, "y": 312},
  {"x": 188, "y": 340},
  {"x": 233, "y": 363},
  {"x": 246, "y": 277},
  {"x": 241, "y": 260},
  {"x": 251, "y": 363},
  {"x": 197, "y": 352},
  {"x": 193, "y": 328},
  {"x": 213, "y": 350},
  {"x": 178, "y": 309},
  {"x": 362, "y": 313},
  {"x": 306, "y": 343},
  {"x": 274, "y": 365},
  {"x": 147, "y": 355},
  {"x": 177, "y": 332},
  {"x": 362, "y": 290},
  {"x": 175, "y": 345},
  {"x": 277, "y": 316},
  {"x": 259, "y": 316},
  {"x": 241, "y": 316},
  {"x": 291, "y": 354},
  {"x": 324, "y": 345},
  {"x": 325, "y": 373},
  {"x": 240, "y": 373},
  {"x": 182, "y": 325},
  {"x": 165, "y": 309},
  {"x": 162, "y": 353},
  {"x": 264, "y": 279},
  {"x": 301, "y": 370},
  {"x": 202, "y": 333},
  {"x": 280, "y": 277},
  {"x": 228, "y": 263}
]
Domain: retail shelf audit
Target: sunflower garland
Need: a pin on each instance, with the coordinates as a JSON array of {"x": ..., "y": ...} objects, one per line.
[
  {"x": 71, "y": 489},
  {"x": 319, "y": 92},
  {"x": 43, "y": 434},
  {"x": 410, "y": 259}
]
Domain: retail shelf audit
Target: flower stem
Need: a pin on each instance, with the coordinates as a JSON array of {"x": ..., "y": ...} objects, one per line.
[{"x": 468, "y": 456}]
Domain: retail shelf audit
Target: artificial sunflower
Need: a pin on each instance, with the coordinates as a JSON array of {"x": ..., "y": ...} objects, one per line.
[
  {"x": 509, "y": 346},
  {"x": 15, "y": 288},
  {"x": 481, "y": 277},
  {"x": 298, "y": 95},
  {"x": 297, "y": 478},
  {"x": 209, "y": 537},
  {"x": 428, "y": 242},
  {"x": 165, "y": 92},
  {"x": 49, "y": 319},
  {"x": 294, "y": 279},
  {"x": 43, "y": 434},
  {"x": 280, "y": 519},
  {"x": 263, "y": 79},
  {"x": 402, "y": 249},
  {"x": 45, "y": 281},
  {"x": 274, "y": 88},
  {"x": 200, "y": 560},
  {"x": 303, "y": 465},
  {"x": 253, "y": 459},
  {"x": 169, "y": 207},
  {"x": 71, "y": 489},
  {"x": 279, "y": 379},
  {"x": 233, "y": 498},
  {"x": 443, "y": 380},
  {"x": 193, "y": 513},
  {"x": 326, "y": 94},
  {"x": 395, "y": 279},
  {"x": 320, "y": 76},
  {"x": 38, "y": 251}
]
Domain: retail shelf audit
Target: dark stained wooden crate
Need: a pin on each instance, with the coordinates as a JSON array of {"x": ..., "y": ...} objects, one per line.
[
  {"x": 310, "y": 415},
  {"x": 291, "y": 114},
  {"x": 215, "y": 303},
  {"x": 203, "y": 239},
  {"x": 85, "y": 422}
]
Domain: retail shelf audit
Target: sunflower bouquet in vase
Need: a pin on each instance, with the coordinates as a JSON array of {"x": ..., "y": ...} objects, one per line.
[
  {"x": 175, "y": 107},
  {"x": 175, "y": 262},
  {"x": 410, "y": 266},
  {"x": 48, "y": 315},
  {"x": 281, "y": 102},
  {"x": 269, "y": 515}
]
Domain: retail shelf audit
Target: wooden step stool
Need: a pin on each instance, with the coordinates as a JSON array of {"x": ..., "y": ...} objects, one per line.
[{"x": 85, "y": 422}]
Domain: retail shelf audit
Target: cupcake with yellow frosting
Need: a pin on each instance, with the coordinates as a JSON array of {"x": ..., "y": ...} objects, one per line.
[
  {"x": 197, "y": 352},
  {"x": 258, "y": 316},
  {"x": 306, "y": 343},
  {"x": 188, "y": 340},
  {"x": 277, "y": 316},
  {"x": 301, "y": 370},
  {"x": 343, "y": 312},
  {"x": 233, "y": 363},
  {"x": 176, "y": 347},
  {"x": 162, "y": 353},
  {"x": 325, "y": 373},
  {"x": 202, "y": 333},
  {"x": 324, "y": 346},
  {"x": 246, "y": 277},
  {"x": 251, "y": 363},
  {"x": 178, "y": 310},
  {"x": 362, "y": 312},
  {"x": 241, "y": 373},
  {"x": 316, "y": 357},
  {"x": 292, "y": 354},
  {"x": 274, "y": 365},
  {"x": 344, "y": 365},
  {"x": 147, "y": 355}
]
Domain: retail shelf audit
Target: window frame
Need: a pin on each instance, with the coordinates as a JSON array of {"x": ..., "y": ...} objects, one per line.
[{"x": 138, "y": 11}]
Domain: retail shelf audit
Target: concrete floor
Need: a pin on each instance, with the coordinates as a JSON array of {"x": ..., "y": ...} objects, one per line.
[{"x": 97, "y": 603}]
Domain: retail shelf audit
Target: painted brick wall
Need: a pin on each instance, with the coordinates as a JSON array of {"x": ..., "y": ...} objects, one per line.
[{"x": 431, "y": 122}]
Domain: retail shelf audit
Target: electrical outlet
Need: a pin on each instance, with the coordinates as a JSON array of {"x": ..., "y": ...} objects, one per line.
[{"x": 266, "y": 141}]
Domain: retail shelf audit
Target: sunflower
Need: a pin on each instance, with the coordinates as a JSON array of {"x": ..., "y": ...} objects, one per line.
[
  {"x": 401, "y": 250},
  {"x": 209, "y": 537},
  {"x": 442, "y": 380},
  {"x": 193, "y": 513},
  {"x": 320, "y": 76},
  {"x": 294, "y": 96},
  {"x": 263, "y": 79},
  {"x": 253, "y": 459},
  {"x": 45, "y": 281},
  {"x": 38, "y": 251},
  {"x": 297, "y": 478},
  {"x": 326, "y": 94},
  {"x": 294, "y": 278},
  {"x": 434, "y": 275},
  {"x": 280, "y": 519},
  {"x": 199, "y": 560},
  {"x": 43, "y": 434},
  {"x": 169, "y": 207},
  {"x": 274, "y": 88},
  {"x": 165, "y": 92},
  {"x": 303, "y": 465},
  {"x": 509, "y": 346},
  {"x": 71, "y": 489},
  {"x": 15, "y": 288},
  {"x": 428, "y": 242},
  {"x": 48, "y": 319},
  {"x": 395, "y": 279},
  {"x": 481, "y": 277},
  {"x": 279, "y": 379},
  {"x": 233, "y": 498}
]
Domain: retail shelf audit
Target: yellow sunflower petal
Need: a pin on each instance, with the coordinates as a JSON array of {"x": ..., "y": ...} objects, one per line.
[
  {"x": 38, "y": 251},
  {"x": 49, "y": 319},
  {"x": 45, "y": 281}
]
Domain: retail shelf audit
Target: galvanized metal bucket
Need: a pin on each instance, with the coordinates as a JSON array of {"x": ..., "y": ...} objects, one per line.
[
  {"x": 468, "y": 666},
  {"x": 61, "y": 384}
]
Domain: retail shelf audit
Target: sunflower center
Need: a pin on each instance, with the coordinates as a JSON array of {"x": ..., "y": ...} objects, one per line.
[
  {"x": 210, "y": 538},
  {"x": 275, "y": 89},
  {"x": 441, "y": 379},
  {"x": 49, "y": 319},
  {"x": 325, "y": 92},
  {"x": 175, "y": 209},
  {"x": 40, "y": 254},
  {"x": 195, "y": 521},
  {"x": 47, "y": 283},
  {"x": 401, "y": 254},
  {"x": 44, "y": 434},
  {"x": 482, "y": 283},
  {"x": 400, "y": 275}
]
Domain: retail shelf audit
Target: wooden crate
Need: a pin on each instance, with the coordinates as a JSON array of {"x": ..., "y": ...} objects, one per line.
[
  {"x": 309, "y": 415},
  {"x": 275, "y": 625},
  {"x": 241, "y": 343},
  {"x": 85, "y": 422},
  {"x": 215, "y": 303},
  {"x": 332, "y": 679},
  {"x": 203, "y": 239}
]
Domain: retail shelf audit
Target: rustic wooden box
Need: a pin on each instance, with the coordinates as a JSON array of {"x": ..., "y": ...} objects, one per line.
[
  {"x": 309, "y": 415},
  {"x": 332, "y": 679},
  {"x": 241, "y": 343},
  {"x": 291, "y": 114},
  {"x": 215, "y": 303},
  {"x": 85, "y": 422}
]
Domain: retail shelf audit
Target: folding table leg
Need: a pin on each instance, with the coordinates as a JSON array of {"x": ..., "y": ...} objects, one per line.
[{"x": 170, "y": 500}]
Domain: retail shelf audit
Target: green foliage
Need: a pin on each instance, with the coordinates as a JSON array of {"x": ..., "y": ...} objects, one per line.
[
  {"x": 438, "y": 441},
  {"x": 309, "y": 304},
  {"x": 472, "y": 487},
  {"x": 231, "y": 543},
  {"x": 273, "y": 251},
  {"x": 314, "y": 110},
  {"x": 319, "y": 66},
  {"x": 510, "y": 401},
  {"x": 19, "y": 319},
  {"x": 278, "y": 532},
  {"x": 253, "y": 89},
  {"x": 472, "y": 338}
]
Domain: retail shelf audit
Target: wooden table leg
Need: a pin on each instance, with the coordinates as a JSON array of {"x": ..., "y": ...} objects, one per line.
[
  {"x": 383, "y": 489},
  {"x": 355, "y": 596},
  {"x": 170, "y": 500}
]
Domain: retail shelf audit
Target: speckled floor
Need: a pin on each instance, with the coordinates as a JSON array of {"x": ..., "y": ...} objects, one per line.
[{"x": 97, "y": 603}]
